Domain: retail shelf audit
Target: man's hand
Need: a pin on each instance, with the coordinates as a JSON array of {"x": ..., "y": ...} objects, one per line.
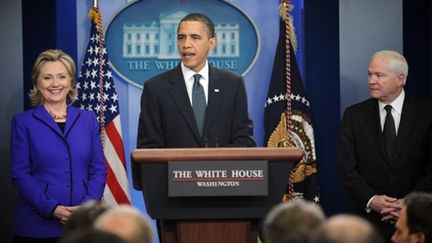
[
  {"x": 391, "y": 214},
  {"x": 382, "y": 202},
  {"x": 388, "y": 207}
]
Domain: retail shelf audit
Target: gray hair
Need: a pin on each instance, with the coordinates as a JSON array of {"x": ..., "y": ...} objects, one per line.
[
  {"x": 396, "y": 62},
  {"x": 293, "y": 221}
]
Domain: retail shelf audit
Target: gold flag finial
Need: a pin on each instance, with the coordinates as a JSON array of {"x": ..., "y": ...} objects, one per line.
[
  {"x": 285, "y": 9},
  {"x": 95, "y": 16}
]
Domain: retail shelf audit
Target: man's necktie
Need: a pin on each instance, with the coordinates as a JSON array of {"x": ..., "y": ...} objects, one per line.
[
  {"x": 389, "y": 132},
  {"x": 198, "y": 103}
]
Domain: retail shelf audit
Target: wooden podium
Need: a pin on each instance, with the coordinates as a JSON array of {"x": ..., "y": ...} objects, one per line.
[{"x": 233, "y": 219}]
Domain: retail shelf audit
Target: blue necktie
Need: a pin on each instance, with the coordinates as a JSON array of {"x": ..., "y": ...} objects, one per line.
[
  {"x": 198, "y": 103},
  {"x": 389, "y": 132}
]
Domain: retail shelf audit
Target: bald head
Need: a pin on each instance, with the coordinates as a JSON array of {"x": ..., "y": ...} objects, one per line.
[
  {"x": 347, "y": 229},
  {"x": 126, "y": 222}
]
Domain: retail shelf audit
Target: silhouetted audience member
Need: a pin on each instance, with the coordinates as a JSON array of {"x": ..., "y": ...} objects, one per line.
[
  {"x": 347, "y": 229},
  {"x": 84, "y": 217},
  {"x": 128, "y": 223},
  {"x": 91, "y": 236},
  {"x": 292, "y": 222},
  {"x": 415, "y": 221}
]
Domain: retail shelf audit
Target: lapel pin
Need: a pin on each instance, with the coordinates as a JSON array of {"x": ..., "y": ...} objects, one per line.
[{"x": 216, "y": 90}]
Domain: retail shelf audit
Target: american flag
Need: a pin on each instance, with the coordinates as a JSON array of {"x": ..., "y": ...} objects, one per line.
[{"x": 96, "y": 92}]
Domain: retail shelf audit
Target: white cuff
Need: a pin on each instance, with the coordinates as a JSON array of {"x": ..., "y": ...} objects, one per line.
[{"x": 368, "y": 209}]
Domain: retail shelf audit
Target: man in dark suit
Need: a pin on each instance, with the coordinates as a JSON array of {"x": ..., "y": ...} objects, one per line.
[
  {"x": 385, "y": 144},
  {"x": 194, "y": 104}
]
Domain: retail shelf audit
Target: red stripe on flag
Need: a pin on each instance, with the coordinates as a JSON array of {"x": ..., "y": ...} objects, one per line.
[
  {"x": 116, "y": 140},
  {"x": 114, "y": 186}
]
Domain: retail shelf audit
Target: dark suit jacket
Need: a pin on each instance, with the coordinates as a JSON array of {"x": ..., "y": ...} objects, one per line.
[
  {"x": 51, "y": 167},
  {"x": 167, "y": 119},
  {"x": 364, "y": 169}
]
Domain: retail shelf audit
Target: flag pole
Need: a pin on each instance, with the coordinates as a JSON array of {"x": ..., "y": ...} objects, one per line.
[
  {"x": 285, "y": 12},
  {"x": 95, "y": 4}
]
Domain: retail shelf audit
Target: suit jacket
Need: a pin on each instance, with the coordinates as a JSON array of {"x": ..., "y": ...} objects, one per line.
[
  {"x": 363, "y": 166},
  {"x": 167, "y": 119},
  {"x": 50, "y": 167}
]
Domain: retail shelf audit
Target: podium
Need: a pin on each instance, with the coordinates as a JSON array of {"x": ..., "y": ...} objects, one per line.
[{"x": 209, "y": 218}]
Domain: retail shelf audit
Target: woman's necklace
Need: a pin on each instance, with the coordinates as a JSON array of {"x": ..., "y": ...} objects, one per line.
[{"x": 57, "y": 117}]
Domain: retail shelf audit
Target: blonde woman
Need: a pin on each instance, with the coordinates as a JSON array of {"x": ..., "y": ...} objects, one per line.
[{"x": 57, "y": 159}]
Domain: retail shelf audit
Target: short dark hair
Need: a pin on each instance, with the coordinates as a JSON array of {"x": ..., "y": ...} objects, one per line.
[
  {"x": 201, "y": 18},
  {"x": 419, "y": 213}
]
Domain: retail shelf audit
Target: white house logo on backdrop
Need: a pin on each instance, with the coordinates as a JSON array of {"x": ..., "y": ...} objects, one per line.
[
  {"x": 142, "y": 38},
  {"x": 157, "y": 39}
]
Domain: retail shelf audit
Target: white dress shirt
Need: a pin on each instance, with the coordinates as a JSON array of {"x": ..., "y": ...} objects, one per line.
[
  {"x": 189, "y": 79},
  {"x": 396, "y": 111}
]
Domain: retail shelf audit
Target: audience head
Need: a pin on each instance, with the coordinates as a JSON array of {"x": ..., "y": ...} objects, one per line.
[
  {"x": 292, "y": 222},
  {"x": 415, "y": 220},
  {"x": 347, "y": 229},
  {"x": 91, "y": 236},
  {"x": 84, "y": 217},
  {"x": 127, "y": 222}
]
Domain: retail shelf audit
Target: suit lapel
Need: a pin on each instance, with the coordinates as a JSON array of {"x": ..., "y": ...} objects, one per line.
[
  {"x": 42, "y": 114},
  {"x": 72, "y": 116},
  {"x": 215, "y": 94},
  {"x": 407, "y": 122},
  {"x": 180, "y": 96},
  {"x": 374, "y": 125}
]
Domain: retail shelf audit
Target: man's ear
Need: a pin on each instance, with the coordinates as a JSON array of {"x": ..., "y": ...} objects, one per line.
[
  {"x": 401, "y": 78},
  {"x": 213, "y": 42},
  {"x": 419, "y": 237}
]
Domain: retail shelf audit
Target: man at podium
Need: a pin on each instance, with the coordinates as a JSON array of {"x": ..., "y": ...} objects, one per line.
[{"x": 195, "y": 104}]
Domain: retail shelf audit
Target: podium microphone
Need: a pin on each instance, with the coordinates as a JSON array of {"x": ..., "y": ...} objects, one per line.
[
  {"x": 216, "y": 141},
  {"x": 205, "y": 142}
]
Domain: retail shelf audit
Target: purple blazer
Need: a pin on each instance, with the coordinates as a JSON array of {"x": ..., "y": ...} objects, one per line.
[{"x": 50, "y": 167}]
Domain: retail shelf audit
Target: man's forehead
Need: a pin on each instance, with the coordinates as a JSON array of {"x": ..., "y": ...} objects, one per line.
[{"x": 196, "y": 26}]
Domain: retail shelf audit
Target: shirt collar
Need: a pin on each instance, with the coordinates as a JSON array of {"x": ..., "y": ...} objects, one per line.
[
  {"x": 188, "y": 73},
  {"x": 397, "y": 104}
]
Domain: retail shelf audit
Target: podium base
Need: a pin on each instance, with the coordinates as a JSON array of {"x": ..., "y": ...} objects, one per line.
[{"x": 208, "y": 231}]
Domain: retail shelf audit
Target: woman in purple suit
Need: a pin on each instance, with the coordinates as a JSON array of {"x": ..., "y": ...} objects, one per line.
[{"x": 57, "y": 159}]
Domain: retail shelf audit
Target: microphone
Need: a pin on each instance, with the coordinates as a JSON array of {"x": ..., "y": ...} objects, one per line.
[
  {"x": 205, "y": 142},
  {"x": 216, "y": 141}
]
